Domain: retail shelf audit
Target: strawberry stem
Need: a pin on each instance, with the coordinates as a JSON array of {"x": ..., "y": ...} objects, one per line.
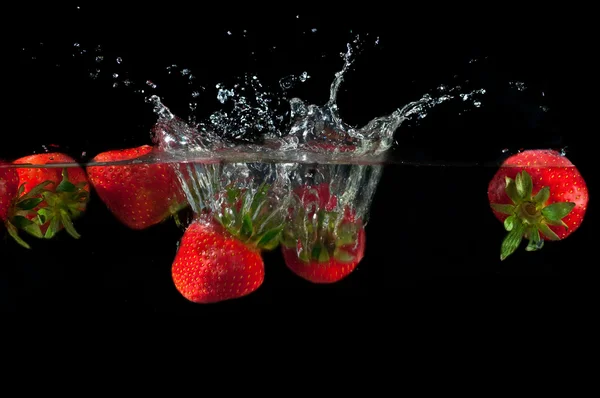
[
  {"x": 529, "y": 215},
  {"x": 42, "y": 212}
]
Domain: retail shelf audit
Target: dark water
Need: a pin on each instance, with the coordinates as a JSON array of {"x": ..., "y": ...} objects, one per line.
[{"x": 431, "y": 237}]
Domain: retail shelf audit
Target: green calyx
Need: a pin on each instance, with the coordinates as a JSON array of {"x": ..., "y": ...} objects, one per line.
[
  {"x": 43, "y": 212},
  {"x": 251, "y": 216},
  {"x": 321, "y": 236},
  {"x": 529, "y": 216}
]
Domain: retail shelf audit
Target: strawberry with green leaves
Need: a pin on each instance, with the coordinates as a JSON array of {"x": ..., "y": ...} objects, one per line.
[
  {"x": 49, "y": 198},
  {"x": 219, "y": 257},
  {"x": 539, "y": 195},
  {"x": 322, "y": 242},
  {"x": 138, "y": 194}
]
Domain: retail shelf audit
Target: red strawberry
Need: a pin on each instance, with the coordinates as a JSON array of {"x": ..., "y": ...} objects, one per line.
[
  {"x": 539, "y": 195},
  {"x": 212, "y": 265},
  {"x": 49, "y": 198},
  {"x": 139, "y": 195},
  {"x": 9, "y": 185},
  {"x": 219, "y": 256},
  {"x": 322, "y": 244}
]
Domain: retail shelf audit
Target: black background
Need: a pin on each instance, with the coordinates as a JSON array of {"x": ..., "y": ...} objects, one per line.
[{"x": 431, "y": 238}]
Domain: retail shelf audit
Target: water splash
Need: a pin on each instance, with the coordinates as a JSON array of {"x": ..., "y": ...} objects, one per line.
[{"x": 262, "y": 125}]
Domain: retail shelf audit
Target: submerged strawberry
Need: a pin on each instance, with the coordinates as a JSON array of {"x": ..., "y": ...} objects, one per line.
[
  {"x": 219, "y": 257},
  {"x": 212, "y": 265},
  {"x": 139, "y": 195},
  {"x": 538, "y": 195},
  {"x": 9, "y": 185},
  {"x": 321, "y": 243},
  {"x": 49, "y": 198}
]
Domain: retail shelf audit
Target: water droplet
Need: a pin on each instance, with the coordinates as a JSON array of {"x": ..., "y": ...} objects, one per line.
[
  {"x": 297, "y": 16},
  {"x": 377, "y": 40},
  {"x": 119, "y": 60},
  {"x": 519, "y": 85},
  {"x": 185, "y": 72},
  {"x": 563, "y": 151},
  {"x": 195, "y": 94},
  {"x": 505, "y": 150},
  {"x": 304, "y": 76},
  {"x": 75, "y": 44},
  {"x": 222, "y": 95},
  {"x": 477, "y": 104},
  {"x": 313, "y": 30},
  {"x": 229, "y": 33},
  {"x": 544, "y": 108},
  {"x": 115, "y": 75},
  {"x": 99, "y": 58},
  {"x": 149, "y": 83}
]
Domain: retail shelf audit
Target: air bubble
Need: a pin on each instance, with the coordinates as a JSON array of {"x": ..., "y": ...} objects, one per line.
[
  {"x": 287, "y": 82},
  {"x": 99, "y": 58},
  {"x": 119, "y": 60}
]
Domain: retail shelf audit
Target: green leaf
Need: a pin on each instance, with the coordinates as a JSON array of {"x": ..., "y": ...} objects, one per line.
[
  {"x": 14, "y": 232},
  {"x": 524, "y": 185},
  {"x": 28, "y": 204},
  {"x": 347, "y": 234},
  {"x": 51, "y": 198},
  {"x": 44, "y": 215},
  {"x": 66, "y": 186},
  {"x": 509, "y": 223},
  {"x": 535, "y": 242},
  {"x": 21, "y": 190},
  {"x": 542, "y": 197},
  {"x": 557, "y": 211},
  {"x": 320, "y": 254},
  {"x": 246, "y": 230},
  {"x": 53, "y": 228},
  {"x": 303, "y": 255},
  {"x": 38, "y": 189},
  {"x": 504, "y": 209},
  {"x": 232, "y": 194},
  {"x": 66, "y": 222},
  {"x": 512, "y": 240},
  {"x": 343, "y": 256},
  {"x": 259, "y": 197},
  {"x": 270, "y": 238},
  {"x": 545, "y": 229},
  {"x": 511, "y": 190},
  {"x": 558, "y": 223},
  {"x": 20, "y": 221}
]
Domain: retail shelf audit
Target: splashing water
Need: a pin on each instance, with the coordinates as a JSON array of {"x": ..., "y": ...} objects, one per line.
[{"x": 255, "y": 129}]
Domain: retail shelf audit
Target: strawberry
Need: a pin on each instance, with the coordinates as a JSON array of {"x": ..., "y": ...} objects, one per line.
[
  {"x": 219, "y": 257},
  {"x": 538, "y": 195},
  {"x": 138, "y": 194},
  {"x": 49, "y": 198},
  {"x": 320, "y": 243},
  {"x": 9, "y": 185},
  {"x": 211, "y": 265}
]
